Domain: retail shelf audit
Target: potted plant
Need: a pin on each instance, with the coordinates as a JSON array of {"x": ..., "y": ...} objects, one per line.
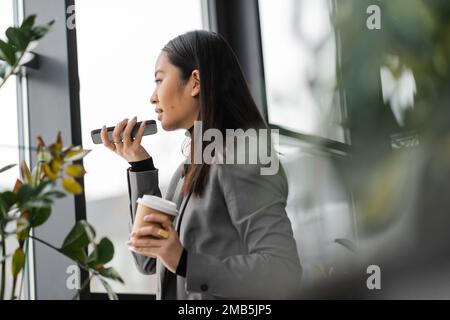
[{"x": 29, "y": 203}]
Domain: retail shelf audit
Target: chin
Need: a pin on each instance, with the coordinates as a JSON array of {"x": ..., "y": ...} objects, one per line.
[{"x": 168, "y": 126}]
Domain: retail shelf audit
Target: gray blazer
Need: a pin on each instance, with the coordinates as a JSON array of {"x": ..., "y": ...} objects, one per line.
[{"x": 239, "y": 239}]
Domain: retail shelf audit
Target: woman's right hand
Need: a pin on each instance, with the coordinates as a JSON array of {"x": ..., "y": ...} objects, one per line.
[{"x": 127, "y": 148}]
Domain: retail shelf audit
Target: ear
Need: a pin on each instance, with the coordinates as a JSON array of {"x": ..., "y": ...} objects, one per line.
[{"x": 195, "y": 78}]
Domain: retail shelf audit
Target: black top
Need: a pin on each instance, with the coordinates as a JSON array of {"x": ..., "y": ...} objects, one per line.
[{"x": 146, "y": 165}]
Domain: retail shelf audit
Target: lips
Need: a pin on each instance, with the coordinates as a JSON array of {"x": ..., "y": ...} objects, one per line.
[{"x": 159, "y": 111}]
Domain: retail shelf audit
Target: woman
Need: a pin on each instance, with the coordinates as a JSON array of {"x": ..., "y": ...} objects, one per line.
[{"x": 232, "y": 238}]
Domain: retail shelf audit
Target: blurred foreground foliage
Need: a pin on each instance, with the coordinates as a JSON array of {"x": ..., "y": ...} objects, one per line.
[{"x": 397, "y": 163}]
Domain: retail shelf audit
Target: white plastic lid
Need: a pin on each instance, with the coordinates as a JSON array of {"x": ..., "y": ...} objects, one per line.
[{"x": 159, "y": 204}]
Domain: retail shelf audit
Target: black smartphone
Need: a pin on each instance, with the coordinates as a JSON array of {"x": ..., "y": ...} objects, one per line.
[{"x": 150, "y": 128}]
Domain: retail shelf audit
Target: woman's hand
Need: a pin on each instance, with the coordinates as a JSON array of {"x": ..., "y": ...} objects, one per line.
[
  {"x": 158, "y": 240},
  {"x": 127, "y": 148}
]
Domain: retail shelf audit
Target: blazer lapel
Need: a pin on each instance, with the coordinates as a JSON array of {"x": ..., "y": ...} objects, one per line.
[{"x": 163, "y": 271}]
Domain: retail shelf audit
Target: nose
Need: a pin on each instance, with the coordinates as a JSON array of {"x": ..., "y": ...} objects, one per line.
[{"x": 154, "y": 98}]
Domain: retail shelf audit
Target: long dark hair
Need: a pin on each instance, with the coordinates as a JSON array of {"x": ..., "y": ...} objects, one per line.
[{"x": 225, "y": 98}]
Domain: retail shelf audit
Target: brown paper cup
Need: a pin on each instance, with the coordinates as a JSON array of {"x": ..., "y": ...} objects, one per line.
[{"x": 152, "y": 204}]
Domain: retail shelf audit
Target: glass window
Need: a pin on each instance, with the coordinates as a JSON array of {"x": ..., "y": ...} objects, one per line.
[
  {"x": 118, "y": 43},
  {"x": 300, "y": 66},
  {"x": 9, "y": 135},
  {"x": 318, "y": 206}
]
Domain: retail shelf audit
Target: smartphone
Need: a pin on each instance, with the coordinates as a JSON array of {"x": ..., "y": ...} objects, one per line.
[{"x": 150, "y": 128}]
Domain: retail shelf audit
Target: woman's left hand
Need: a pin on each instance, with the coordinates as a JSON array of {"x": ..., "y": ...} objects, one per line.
[{"x": 151, "y": 242}]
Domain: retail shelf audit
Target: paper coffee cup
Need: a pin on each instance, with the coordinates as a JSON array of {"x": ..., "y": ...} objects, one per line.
[{"x": 148, "y": 204}]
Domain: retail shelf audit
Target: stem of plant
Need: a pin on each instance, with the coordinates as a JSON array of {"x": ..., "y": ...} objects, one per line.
[
  {"x": 27, "y": 242},
  {"x": 94, "y": 272},
  {"x": 38, "y": 166},
  {"x": 45, "y": 243},
  {"x": 11, "y": 72},
  {"x": 13, "y": 288},
  {"x": 85, "y": 283},
  {"x": 8, "y": 75},
  {"x": 57, "y": 249}
]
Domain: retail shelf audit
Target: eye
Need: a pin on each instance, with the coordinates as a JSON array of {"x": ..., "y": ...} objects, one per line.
[{"x": 158, "y": 81}]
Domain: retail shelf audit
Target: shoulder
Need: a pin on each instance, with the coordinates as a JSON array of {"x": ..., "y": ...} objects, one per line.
[{"x": 252, "y": 176}]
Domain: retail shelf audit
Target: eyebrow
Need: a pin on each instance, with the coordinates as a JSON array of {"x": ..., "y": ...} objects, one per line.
[{"x": 156, "y": 72}]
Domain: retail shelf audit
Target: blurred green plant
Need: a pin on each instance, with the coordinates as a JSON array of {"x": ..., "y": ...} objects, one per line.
[
  {"x": 29, "y": 204},
  {"x": 415, "y": 37},
  {"x": 16, "y": 50}
]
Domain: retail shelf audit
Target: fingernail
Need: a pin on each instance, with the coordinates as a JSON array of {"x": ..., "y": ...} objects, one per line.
[
  {"x": 132, "y": 249},
  {"x": 147, "y": 218},
  {"x": 133, "y": 233},
  {"x": 130, "y": 242},
  {"x": 163, "y": 233}
]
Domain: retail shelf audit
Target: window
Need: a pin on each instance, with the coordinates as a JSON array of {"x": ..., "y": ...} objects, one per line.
[
  {"x": 9, "y": 137},
  {"x": 9, "y": 134},
  {"x": 299, "y": 59},
  {"x": 299, "y": 51},
  {"x": 318, "y": 206},
  {"x": 118, "y": 44}
]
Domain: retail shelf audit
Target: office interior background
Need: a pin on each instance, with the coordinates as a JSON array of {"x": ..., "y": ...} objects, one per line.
[{"x": 362, "y": 114}]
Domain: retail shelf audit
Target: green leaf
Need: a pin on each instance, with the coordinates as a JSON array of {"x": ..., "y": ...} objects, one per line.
[
  {"x": 22, "y": 232},
  {"x": 91, "y": 260},
  {"x": 11, "y": 218},
  {"x": 72, "y": 186},
  {"x": 25, "y": 193},
  {"x": 28, "y": 23},
  {"x": 40, "y": 31},
  {"x": 105, "y": 251},
  {"x": 2, "y": 71},
  {"x": 7, "y": 200},
  {"x": 75, "y": 170},
  {"x": 54, "y": 194},
  {"x": 17, "y": 38},
  {"x": 39, "y": 203},
  {"x": 23, "y": 229},
  {"x": 111, "y": 294},
  {"x": 102, "y": 254},
  {"x": 39, "y": 216},
  {"x": 347, "y": 244},
  {"x": 49, "y": 172},
  {"x": 44, "y": 188},
  {"x": 75, "y": 153},
  {"x": 18, "y": 261},
  {"x": 25, "y": 173},
  {"x": 80, "y": 236},
  {"x": 44, "y": 155},
  {"x": 77, "y": 254},
  {"x": 7, "y": 51},
  {"x": 8, "y": 167},
  {"x": 111, "y": 273}
]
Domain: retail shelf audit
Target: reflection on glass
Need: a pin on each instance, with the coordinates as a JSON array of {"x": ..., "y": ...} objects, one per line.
[
  {"x": 300, "y": 66},
  {"x": 319, "y": 208},
  {"x": 398, "y": 91},
  {"x": 118, "y": 44}
]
